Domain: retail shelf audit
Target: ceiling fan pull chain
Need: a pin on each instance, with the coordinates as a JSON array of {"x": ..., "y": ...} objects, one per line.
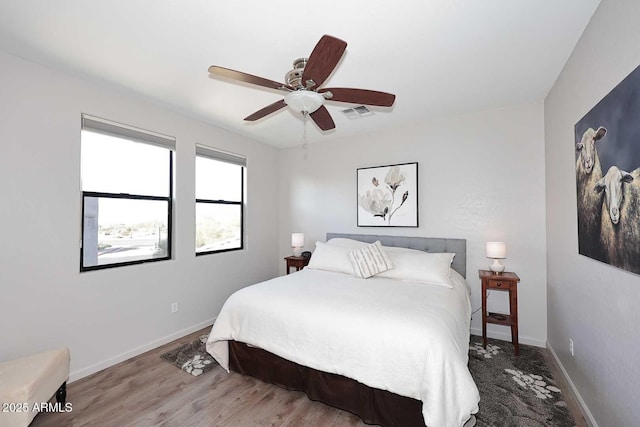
[{"x": 304, "y": 134}]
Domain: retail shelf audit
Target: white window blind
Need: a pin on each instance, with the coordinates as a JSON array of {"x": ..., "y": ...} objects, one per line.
[
  {"x": 223, "y": 156},
  {"x": 107, "y": 127}
]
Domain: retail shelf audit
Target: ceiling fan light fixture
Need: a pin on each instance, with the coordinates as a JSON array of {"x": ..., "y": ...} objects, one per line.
[{"x": 304, "y": 101}]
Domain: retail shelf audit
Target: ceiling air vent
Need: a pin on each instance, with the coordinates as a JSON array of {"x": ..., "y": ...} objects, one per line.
[{"x": 357, "y": 112}]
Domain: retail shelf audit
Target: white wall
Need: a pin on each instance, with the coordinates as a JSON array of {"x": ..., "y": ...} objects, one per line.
[
  {"x": 594, "y": 304},
  {"x": 481, "y": 178},
  {"x": 108, "y": 315}
]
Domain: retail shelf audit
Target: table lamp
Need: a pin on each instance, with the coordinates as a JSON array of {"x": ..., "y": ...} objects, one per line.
[
  {"x": 496, "y": 251},
  {"x": 297, "y": 242}
]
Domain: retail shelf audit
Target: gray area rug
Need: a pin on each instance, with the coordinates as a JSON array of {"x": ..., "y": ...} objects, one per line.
[
  {"x": 515, "y": 391},
  {"x": 191, "y": 357}
]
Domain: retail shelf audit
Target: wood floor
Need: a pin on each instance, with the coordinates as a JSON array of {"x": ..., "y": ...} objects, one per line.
[{"x": 147, "y": 391}]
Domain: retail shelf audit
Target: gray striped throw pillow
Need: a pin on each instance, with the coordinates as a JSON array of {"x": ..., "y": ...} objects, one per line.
[{"x": 370, "y": 260}]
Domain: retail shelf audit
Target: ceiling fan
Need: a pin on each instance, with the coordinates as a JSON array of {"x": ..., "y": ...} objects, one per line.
[{"x": 303, "y": 85}]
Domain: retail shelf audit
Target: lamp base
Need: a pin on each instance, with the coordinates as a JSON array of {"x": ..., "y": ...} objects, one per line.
[
  {"x": 297, "y": 251},
  {"x": 496, "y": 267}
]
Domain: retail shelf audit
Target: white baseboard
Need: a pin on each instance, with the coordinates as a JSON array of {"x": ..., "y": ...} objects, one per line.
[
  {"x": 92, "y": 369},
  {"x": 506, "y": 336},
  {"x": 583, "y": 406}
]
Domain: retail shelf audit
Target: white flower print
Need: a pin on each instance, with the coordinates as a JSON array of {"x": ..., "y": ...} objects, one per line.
[
  {"x": 488, "y": 353},
  {"x": 195, "y": 366},
  {"x": 533, "y": 382},
  {"x": 381, "y": 200},
  {"x": 376, "y": 202},
  {"x": 394, "y": 178}
]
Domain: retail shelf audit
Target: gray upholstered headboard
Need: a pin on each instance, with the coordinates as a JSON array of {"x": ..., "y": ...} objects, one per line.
[{"x": 427, "y": 244}]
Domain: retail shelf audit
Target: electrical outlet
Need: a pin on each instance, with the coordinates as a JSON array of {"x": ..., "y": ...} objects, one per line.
[
  {"x": 174, "y": 307},
  {"x": 571, "y": 346}
]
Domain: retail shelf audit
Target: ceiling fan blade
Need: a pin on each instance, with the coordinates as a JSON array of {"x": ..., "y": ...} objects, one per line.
[
  {"x": 324, "y": 58},
  {"x": 247, "y": 78},
  {"x": 322, "y": 118},
  {"x": 271, "y": 108},
  {"x": 360, "y": 96}
]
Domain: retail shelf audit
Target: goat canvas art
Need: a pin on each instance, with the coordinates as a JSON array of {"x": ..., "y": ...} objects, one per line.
[
  {"x": 388, "y": 196},
  {"x": 607, "y": 143}
]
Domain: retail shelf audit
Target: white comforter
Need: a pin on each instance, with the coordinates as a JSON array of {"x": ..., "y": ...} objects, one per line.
[{"x": 410, "y": 339}]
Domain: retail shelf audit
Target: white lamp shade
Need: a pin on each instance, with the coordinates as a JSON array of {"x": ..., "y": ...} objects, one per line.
[
  {"x": 496, "y": 250},
  {"x": 297, "y": 240},
  {"x": 304, "y": 100}
]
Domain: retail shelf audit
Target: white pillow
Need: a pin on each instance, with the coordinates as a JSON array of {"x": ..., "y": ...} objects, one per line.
[
  {"x": 330, "y": 258},
  {"x": 357, "y": 244},
  {"x": 391, "y": 249},
  {"x": 370, "y": 260},
  {"x": 421, "y": 267},
  {"x": 346, "y": 243}
]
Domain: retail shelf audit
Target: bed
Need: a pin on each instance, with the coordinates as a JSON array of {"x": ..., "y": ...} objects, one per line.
[{"x": 394, "y": 352}]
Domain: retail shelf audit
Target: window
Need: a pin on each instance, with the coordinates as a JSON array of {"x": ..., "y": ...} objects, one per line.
[
  {"x": 219, "y": 201},
  {"x": 127, "y": 195}
]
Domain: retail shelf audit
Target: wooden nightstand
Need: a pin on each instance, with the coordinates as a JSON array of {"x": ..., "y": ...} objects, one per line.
[
  {"x": 299, "y": 262},
  {"x": 506, "y": 281}
]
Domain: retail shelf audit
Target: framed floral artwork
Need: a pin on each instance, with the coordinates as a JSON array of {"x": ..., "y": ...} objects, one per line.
[{"x": 388, "y": 196}]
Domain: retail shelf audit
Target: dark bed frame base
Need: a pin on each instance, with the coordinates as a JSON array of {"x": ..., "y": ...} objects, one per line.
[{"x": 373, "y": 405}]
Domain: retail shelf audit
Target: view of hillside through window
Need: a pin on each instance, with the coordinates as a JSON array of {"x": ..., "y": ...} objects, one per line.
[
  {"x": 122, "y": 221},
  {"x": 126, "y": 195},
  {"x": 218, "y": 205},
  {"x": 141, "y": 233}
]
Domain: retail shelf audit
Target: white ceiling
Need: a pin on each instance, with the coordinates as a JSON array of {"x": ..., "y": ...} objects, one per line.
[{"x": 440, "y": 57}]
